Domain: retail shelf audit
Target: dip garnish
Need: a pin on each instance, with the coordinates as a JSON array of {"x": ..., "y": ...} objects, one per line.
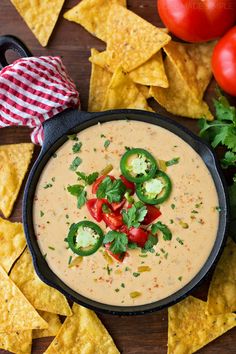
[
  {"x": 76, "y": 147},
  {"x": 89, "y": 179},
  {"x": 135, "y": 294},
  {"x": 134, "y": 215},
  {"x": 174, "y": 161},
  {"x": 155, "y": 190},
  {"x": 159, "y": 226},
  {"x": 106, "y": 144},
  {"x": 78, "y": 191},
  {"x": 118, "y": 241},
  {"x": 75, "y": 163},
  {"x": 85, "y": 238},
  {"x": 113, "y": 191},
  {"x": 73, "y": 137},
  {"x": 138, "y": 165}
]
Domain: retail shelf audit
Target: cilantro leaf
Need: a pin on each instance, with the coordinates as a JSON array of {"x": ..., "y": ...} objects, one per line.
[
  {"x": 75, "y": 163},
  {"x": 223, "y": 109},
  {"x": 106, "y": 144},
  {"x": 76, "y": 147},
  {"x": 111, "y": 190},
  {"x": 152, "y": 241},
  {"x": 159, "y": 226},
  {"x": 229, "y": 159},
  {"x": 134, "y": 215},
  {"x": 88, "y": 179},
  {"x": 174, "y": 161},
  {"x": 77, "y": 190},
  {"x": 118, "y": 240}
]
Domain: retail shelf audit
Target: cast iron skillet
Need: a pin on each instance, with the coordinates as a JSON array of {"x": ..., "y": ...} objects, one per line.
[{"x": 55, "y": 135}]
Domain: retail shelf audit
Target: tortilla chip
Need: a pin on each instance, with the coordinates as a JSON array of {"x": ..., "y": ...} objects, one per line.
[
  {"x": 193, "y": 62},
  {"x": 177, "y": 98},
  {"x": 16, "y": 313},
  {"x": 83, "y": 332},
  {"x": 145, "y": 90},
  {"x": 151, "y": 73},
  {"x": 99, "y": 82},
  {"x": 123, "y": 93},
  {"x": 40, "y": 16},
  {"x": 12, "y": 241},
  {"x": 189, "y": 328},
  {"x": 40, "y": 295},
  {"x": 222, "y": 291},
  {"x": 132, "y": 40},
  {"x": 54, "y": 325},
  {"x": 14, "y": 162},
  {"x": 92, "y": 15},
  {"x": 17, "y": 342}
]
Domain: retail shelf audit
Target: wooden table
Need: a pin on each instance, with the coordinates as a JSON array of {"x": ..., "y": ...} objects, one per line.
[{"x": 133, "y": 335}]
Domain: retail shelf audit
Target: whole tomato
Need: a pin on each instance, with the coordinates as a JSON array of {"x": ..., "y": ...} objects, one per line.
[
  {"x": 197, "y": 20},
  {"x": 224, "y": 62}
]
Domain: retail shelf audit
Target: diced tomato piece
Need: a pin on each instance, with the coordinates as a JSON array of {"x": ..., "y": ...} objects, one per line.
[
  {"x": 95, "y": 208},
  {"x": 98, "y": 181},
  {"x": 117, "y": 206},
  {"x": 138, "y": 236},
  {"x": 128, "y": 184},
  {"x": 113, "y": 220},
  {"x": 119, "y": 256},
  {"x": 152, "y": 214},
  {"x": 124, "y": 229}
]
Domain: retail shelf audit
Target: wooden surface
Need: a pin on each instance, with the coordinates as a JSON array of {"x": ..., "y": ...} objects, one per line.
[{"x": 133, "y": 335}]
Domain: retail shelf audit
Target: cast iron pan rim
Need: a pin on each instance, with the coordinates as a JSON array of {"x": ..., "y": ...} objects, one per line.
[{"x": 215, "y": 170}]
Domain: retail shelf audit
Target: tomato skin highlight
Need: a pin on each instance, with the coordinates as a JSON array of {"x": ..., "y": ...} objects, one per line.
[
  {"x": 224, "y": 62},
  {"x": 113, "y": 220},
  {"x": 95, "y": 208},
  {"x": 98, "y": 181},
  {"x": 117, "y": 206},
  {"x": 152, "y": 214},
  {"x": 138, "y": 236},
  {"x": 119, "y": 256},
  {"x": 197, "y": 20}
]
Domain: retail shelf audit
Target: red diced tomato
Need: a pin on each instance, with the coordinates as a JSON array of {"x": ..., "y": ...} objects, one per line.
[
  {"x": 113, "y": 220},
  {"x": 152, "y": 214},
  {"x": 117, "y": 206},
  {"x": 129, "y": 185},
  {"x": 138, "y": 236},
  {"x": 95, "y": 208},
  {"x": 119, "y": 256}
]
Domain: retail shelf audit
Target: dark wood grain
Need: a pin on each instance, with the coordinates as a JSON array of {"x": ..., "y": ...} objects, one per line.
[{"x": 133, "y": 335}]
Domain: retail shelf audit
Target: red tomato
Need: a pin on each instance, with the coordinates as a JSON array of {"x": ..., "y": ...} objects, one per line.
[
  {"x": 95, "y": 208},
  {"x": 117, "y": 206},
  {"x": 152, "y": 214},
  {"x": 119, "y": 256},
  {"x": 128, "y": 184},
  {"x": 113, "y": 220},
  {"x": 224, "y": 62},
  {"x": 98, "y": 181},
  {"x": 197, "y": 20},
  {"x": 138, "y": 236}
]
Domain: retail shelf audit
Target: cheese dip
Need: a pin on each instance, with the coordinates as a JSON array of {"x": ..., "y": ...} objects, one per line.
[{"x": 190, "y": 214}]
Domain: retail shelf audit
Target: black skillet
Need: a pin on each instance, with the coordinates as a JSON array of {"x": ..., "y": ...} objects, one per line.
[{"x": 55, "y": 135}]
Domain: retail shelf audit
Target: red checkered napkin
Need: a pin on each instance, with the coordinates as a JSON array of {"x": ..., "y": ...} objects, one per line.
[{"x": 33, "y": 90}]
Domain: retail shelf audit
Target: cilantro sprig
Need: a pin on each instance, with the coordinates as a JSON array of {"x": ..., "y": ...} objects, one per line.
[
  {"x": 159, "y": 226},
  {"x": 134, "y": 215},
  {"x": 113, "y": 191},
  {"x": 88, "y": 179},
  {"x": 118, "y": 240},
  {"x": 78, "y": 191}
]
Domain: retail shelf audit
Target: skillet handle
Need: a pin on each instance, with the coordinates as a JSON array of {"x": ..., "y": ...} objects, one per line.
[
  {"x": 12, "y": 43},
  {"x": 63, "y": 123}
]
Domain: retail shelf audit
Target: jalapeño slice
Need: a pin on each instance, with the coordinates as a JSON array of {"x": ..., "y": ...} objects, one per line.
[
  {"x": 85, "y": 238},
  {"x": 138, "y": 165},
  {"x": 156, "y": 190}
]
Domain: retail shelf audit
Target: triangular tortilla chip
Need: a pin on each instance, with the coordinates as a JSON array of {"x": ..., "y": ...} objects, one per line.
[
  {"x": 40, "y": 295},
  {"x": 92, "y": 15},
  {"x": 177, "y": 98},
  {"x": 132, "y": 40},
  {"x": 16, "y": 313},
  {"x": 145, "y": 90},
  {"x": 12, "y": 243},
  {"x": 222, "y": 291},
  {"x": 193, "y": 62},
  {"x": 83, "y": 332},
  {"x": 151, "y": 73},
  {"x": 54, "y": 325},
  {"x": 14, "y": 162},
  {"x": 123, "y": 93},
  {"x": 189, "y": 328},
  {"x": 40, "y": 16},
  {"x": 99, "y": 82},
  {"x": 17, "y": 342}
]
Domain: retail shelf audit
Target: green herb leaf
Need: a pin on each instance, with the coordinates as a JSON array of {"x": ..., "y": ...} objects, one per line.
[
  {"x": 77, "y": 190},
  {"x": 174, "y": 161},
  {"x": 73, "y": 137},
  {"x": 159, "y": 226},
  {"x": 88, "y": 179},
  {"x": 106, "y": 209},
  {"x": 119, "y": 241},
  {"x": 132, "y": 245},
  {"x": 111, "y": 190},
  {"x": 48, "y": 185},
  {"x": 76, "y": 147},
  {"x": 75, "y": 163},
  {"x": 106, "y": 144},
  {"x": 152, "y": 241},
  {"x": 229, "y": 159},
  {"x": 134, "y": 215}
]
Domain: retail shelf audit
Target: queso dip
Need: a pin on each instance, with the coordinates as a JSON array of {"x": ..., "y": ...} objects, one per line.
[{"x": 190, "y": 213}]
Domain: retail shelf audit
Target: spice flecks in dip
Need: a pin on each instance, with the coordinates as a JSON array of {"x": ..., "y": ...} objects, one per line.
[{"x": 190, "y": 214}]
